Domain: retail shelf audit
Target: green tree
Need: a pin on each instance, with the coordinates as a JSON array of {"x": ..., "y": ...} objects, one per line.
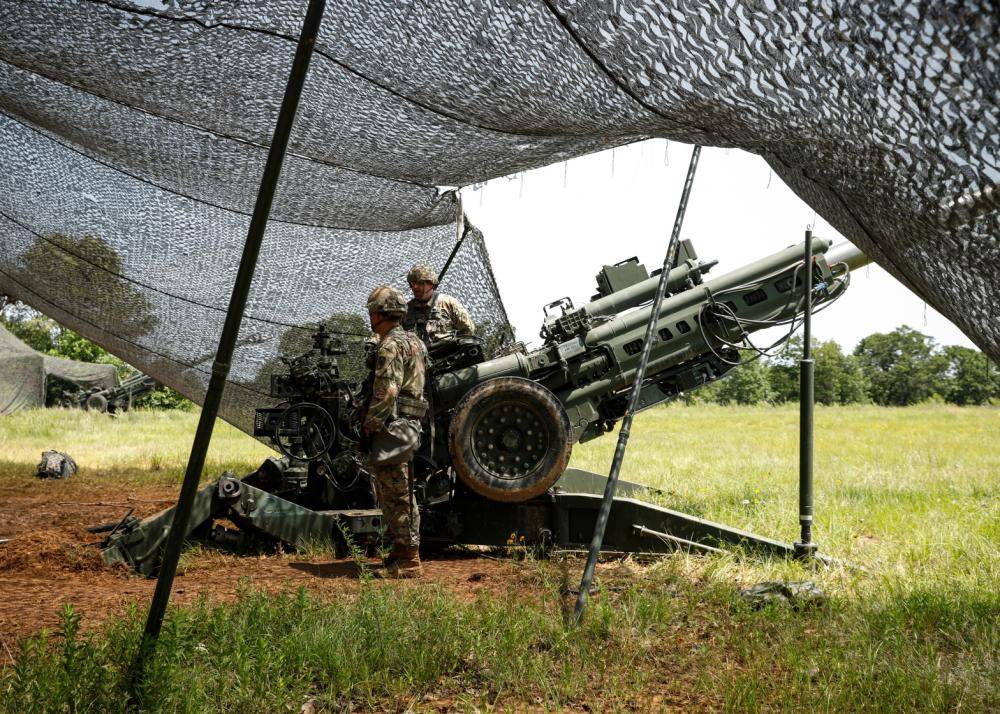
[
  {"x": 971, "y": 378},
  {"x": 32, "y": 328},
  {"x": 838, "y": 377},
  {"x": 163, "y": 397},
  {"x": 746, "y": 384},
  {"x": 854, "y": 385},
  {"x": 71, "y": 345},
  {"x": 829, "y": 366},
  {"x": 903, "y": 366},
  {"x": 705, "y": 394},
  {"x": 784, "y": 372}
]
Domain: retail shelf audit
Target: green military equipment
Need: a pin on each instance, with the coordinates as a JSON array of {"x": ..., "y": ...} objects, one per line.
[
  {"x": 505, "y": 427},
  {"x": 590, "y": 356},
  {"x": 115, "y": 399},
  {"x": 387, "y": 300}
]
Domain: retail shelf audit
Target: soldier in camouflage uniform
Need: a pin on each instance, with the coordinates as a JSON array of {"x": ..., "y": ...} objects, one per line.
[
  {"x": 430, "y": 314},
  {"x": 392, "y": 422}
]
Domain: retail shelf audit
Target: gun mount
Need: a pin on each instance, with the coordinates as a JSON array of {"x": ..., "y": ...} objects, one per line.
[
  {"x": 315, "y": 428},
  {"x": 504, "y": 428}
]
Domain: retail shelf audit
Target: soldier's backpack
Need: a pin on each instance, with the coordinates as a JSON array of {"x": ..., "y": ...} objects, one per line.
[{"x": 56, "y": 464}]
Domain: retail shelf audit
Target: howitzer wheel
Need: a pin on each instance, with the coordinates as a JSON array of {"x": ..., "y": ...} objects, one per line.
[
  {"x": 96, "y": 403},
  {"x": 509, "y": 439}
]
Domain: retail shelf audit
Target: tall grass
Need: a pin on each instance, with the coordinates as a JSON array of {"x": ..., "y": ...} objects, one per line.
[
  {"x": 679, "y": 636},
  {"x": 909, "y": 494},
  {"x": 137, "y": 447},
  {"x": 911, "y": 491}
]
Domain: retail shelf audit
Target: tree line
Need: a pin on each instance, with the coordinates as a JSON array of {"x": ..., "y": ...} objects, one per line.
[{"x": 898, "y": 368}]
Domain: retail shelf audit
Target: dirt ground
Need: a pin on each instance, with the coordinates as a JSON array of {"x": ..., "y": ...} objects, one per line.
[{"x": 50, "y": 559}]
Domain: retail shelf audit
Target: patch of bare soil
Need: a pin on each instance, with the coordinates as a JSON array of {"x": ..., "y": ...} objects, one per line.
[{"x": 50, "y": 559}]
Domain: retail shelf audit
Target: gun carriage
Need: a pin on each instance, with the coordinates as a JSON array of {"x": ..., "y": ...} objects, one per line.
[
  {"x": 502, "y": 430},
  {"x": 114, "y": 399}
]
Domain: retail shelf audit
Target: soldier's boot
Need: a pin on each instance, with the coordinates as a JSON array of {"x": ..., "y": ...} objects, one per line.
[
  {"x": 407, "y": 565},
  {"x": 398, "y": 551},
  {"x": 403, "y": 561}
]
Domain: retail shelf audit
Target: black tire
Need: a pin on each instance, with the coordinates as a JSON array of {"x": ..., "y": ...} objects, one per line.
[
  {"x": 509, "y": 439},
  {"x": 97, "y": 403}
]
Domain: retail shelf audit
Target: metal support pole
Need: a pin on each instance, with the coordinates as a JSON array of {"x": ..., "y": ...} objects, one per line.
[
  {"x": 805, "y": 547},
  {"x": 230, "y": 331},
  {"x": 460, "y": 229},
  {"x": 623, "y": 434}
]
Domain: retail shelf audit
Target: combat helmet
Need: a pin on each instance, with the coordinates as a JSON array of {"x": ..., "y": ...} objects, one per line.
[
  {"x": 422, "y": 273},
  {"x": 387, "y": 300}
]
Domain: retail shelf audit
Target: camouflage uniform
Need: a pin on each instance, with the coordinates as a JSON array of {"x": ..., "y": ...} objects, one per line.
[
  {"x": 393, "y": 418},
  {"x": 437, "y": 318},
  {"x": 440, "y": 316}
]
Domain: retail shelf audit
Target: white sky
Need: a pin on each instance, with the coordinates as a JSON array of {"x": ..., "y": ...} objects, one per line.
[{"x": 550, "y": 230}]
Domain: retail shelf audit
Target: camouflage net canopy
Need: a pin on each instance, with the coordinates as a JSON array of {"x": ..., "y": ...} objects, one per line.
[{"x": 134, "y": 135}]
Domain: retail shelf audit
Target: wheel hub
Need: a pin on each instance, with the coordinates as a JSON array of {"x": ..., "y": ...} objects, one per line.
[{"x": 509, "y": 441}]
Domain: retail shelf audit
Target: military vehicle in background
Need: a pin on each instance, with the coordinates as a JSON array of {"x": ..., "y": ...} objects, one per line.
[
  {"x": 503, "y": 428},
  {"x": 113, "y": 400}
]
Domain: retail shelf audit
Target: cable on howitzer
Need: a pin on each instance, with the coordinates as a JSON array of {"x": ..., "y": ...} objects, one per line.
[{"x": 723, "y": 313}]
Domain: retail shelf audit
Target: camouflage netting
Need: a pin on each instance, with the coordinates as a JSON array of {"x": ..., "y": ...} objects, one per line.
[
  {"x": 135, "y": 134},
  {"x": 24, "y": 372}
]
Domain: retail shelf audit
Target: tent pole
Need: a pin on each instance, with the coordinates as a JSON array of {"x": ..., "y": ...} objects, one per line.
[
  {"x": 805, "y": 547},
  {"x": 230, "y": 331},
  {"x": 460, "y": 229},
  {"x": 626, "y": 427}
]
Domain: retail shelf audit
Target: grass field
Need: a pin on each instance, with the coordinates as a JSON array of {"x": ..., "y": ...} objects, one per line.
[
  {"x": 910, "y": 495},
  {"x": 140, "y": 446}
]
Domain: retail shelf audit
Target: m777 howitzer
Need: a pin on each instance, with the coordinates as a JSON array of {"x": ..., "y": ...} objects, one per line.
[
  {"x": 575, "y": 387},
  {"x": 115, "y": 399},
  {"x": 503, "y": 428}
]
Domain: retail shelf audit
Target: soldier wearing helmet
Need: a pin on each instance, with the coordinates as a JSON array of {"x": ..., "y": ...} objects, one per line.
[
  {"x": 392, "y": 423},
  {"x": 432, "y": 315}
]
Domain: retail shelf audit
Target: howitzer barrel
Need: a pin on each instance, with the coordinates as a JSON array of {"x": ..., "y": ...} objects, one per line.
[
  {"x": 621, "y": 380},
  {"x": 754, "y": 271},
  {"x": 848, "y": 254},
  {"x": 451, "y": 386},
  {"x": 639, "y": 293},
  {"x": 697, "y": 332}
]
